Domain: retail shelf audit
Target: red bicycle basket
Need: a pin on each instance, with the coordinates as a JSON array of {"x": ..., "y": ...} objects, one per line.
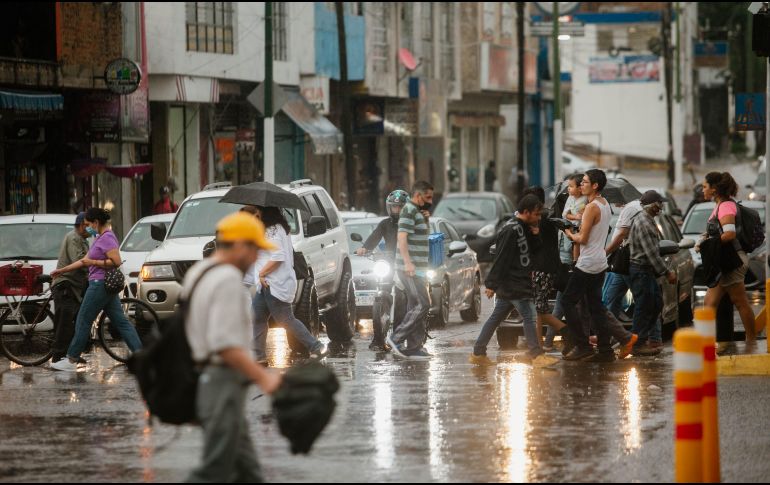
[{"x": 18, "y": 280}]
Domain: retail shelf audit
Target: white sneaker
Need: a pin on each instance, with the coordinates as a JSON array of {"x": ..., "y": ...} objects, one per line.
[
  {"x": 393, "y": 347},
  {"x": 65, "y": 365}
]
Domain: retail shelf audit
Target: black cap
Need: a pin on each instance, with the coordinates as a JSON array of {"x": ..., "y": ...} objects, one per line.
[{"x": 651, "y": 197}]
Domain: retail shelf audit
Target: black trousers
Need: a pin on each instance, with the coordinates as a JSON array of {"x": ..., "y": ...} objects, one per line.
[
  {"x": 586, "y": 288},
  {"x": 66, "y": 300}
]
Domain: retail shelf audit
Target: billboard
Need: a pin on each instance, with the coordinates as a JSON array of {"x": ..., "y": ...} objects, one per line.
[{"x": 624, "y": 69}]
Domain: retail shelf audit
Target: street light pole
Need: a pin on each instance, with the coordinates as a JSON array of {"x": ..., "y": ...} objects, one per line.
[
  {"x": 268, "y": 152},
  {"x": 557, "y": 126},
  {"x": 521, "y": 99}
]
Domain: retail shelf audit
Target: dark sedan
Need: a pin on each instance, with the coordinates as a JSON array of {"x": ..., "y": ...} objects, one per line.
[{"x": 478, "y": 216}]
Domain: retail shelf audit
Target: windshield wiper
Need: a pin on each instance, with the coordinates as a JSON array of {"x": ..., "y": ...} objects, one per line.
[
  {"x": 455, "y": 212},
  {"x": 468, "y": 211}
]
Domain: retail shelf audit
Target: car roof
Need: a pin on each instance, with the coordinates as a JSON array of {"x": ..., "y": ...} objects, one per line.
[
  {"x": 473, "y": 195},
  {"x": 156, "y": 218},
  {"x": 753, "y": 204},
  {"x": 39, "y": 218},
  {"x": 220, "y": 192},
  {"x": 365, "y": 220}
]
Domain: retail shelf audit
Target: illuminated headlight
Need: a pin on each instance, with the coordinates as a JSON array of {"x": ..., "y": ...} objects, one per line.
[
  {"x": 381, "y": 269},
  {"x": 752, "y": 196},
  {"x": 486, "y": 231},
  {"x": 157, "y": 272},
  {"x": 430, "y": 274},
  {"x": 700, "y": 294}
]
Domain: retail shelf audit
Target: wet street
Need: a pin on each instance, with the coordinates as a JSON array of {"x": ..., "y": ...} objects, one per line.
[{"x": 396, "y": 421}]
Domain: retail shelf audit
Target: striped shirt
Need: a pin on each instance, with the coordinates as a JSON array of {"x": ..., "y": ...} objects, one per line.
[{"x": 413, "y": 223}]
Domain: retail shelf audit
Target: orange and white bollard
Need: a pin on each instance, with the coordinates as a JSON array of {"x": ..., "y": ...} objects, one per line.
[
  {"x": 688, "y": 412},
  {"x": 705, "y": 325}
]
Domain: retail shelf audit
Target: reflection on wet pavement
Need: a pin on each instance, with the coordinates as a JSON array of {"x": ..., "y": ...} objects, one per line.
[{"x": 443, "y": 420}]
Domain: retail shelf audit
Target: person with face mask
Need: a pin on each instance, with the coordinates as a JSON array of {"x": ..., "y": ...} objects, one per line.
[
  {"x": 647, "y": 265},
  {"x": 387, "y": 229}
]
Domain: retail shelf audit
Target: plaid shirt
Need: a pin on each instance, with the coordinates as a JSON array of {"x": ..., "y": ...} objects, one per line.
[{"x": 644, "y": 237}]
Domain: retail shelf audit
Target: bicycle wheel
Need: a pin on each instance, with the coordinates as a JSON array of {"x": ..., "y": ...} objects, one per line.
[
  {"x": 27, "y": 336},
  {"x": 142, "y": 318}
]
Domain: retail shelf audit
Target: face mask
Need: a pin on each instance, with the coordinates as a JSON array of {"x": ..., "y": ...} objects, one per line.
[
  {"x": 91, "y": 231},
  {"x": 426, "y": 206},
  {"x": 394, "y": 217}
]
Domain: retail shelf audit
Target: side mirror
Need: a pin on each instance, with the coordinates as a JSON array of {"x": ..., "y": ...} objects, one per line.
[
  {"x": 469, "y": 237},
  {"x": 677, "y": 212},
  {"x": 668, "y": 248},
  {"x": 748, "y": 186},
  {"x": 316, "y": 226},
  {"x": 158, "y": 232},
  {"x": 356, "y": 237},
  {"x": 457, "y": 247},
  {"x": 686, "y": 243}
]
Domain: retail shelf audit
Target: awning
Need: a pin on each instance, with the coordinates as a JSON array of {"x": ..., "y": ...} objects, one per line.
[
  {"x": 31, "y": 102},
  {"x": 129, "y": 171},
  {"x": 327, "y": 139}
]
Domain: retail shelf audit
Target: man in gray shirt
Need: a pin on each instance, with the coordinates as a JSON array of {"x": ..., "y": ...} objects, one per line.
[{"x": 68, "y": 288}]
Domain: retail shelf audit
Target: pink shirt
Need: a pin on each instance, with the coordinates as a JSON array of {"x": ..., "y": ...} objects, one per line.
[{"x": 726, "y": 208}]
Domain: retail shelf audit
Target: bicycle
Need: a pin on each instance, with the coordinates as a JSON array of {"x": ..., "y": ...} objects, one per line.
[{"x": 29, "y": 339}]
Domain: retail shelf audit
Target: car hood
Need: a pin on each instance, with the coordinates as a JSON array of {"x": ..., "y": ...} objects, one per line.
[
  {"x": 179, "y": 249},
  {"x": 471, "y": 227},
  {"x": 133, "y": 261}
]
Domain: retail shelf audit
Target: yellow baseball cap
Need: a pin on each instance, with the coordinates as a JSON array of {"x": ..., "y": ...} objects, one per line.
[{"x": 242, "y": 226}]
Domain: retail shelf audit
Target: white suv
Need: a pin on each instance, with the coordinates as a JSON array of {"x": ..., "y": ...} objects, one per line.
[{"x": 317, "y": 234}]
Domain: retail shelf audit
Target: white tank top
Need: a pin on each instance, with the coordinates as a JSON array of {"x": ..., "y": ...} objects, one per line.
[{"x": 593, "y": 258}]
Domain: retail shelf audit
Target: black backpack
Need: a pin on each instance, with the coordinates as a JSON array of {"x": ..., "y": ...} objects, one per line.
[
  {"x": 749, "y": 228},
  {"x": 166, "y": 372}
]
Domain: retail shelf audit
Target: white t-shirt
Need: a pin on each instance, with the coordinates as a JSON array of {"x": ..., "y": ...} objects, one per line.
[
  {"x": 592, "y": 257},
  {"x": 283, "y": 280},
  {"x": 220, "y": 314},
  {"x": 626, "y": 216}
]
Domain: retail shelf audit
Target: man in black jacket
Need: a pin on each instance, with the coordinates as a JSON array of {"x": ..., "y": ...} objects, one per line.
[{"x": 510, "y": 279}]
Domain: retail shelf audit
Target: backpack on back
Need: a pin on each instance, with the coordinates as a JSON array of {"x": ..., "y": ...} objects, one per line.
[
  {"x": 749, "y": 227},
  {"x": 166, "y": 372}
]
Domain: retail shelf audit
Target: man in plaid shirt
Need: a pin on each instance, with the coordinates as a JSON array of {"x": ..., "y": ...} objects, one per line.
[{"x": 646, "y": 266}]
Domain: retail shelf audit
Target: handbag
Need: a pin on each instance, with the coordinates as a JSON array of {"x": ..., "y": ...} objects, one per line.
[
  {"x": 619, "y": 261},
  {"x": 114, "y": 281}
]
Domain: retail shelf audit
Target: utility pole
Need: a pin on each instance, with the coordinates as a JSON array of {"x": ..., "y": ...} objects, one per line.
[
  {"x": 557, "y": 125},
  {"x": 268, "y": 152},
  {"x": 667, "y": 70},
  {"x": 344, "y": 106},
  {"x": 521, "y": 99}
]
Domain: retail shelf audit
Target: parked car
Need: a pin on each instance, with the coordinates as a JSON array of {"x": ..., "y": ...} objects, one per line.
[
  {"x": 351, "y": 215},
  {"x": 669, "y": 206},
  {"x": 695, "y": 226},
  {"x": 478, "y": 216},
  {"x": 758, "y": 190},
  {"x": 571, "y": 163},
  {"x": 454, "y": 286},
  {"x": 318, "y": 234},
  {"x": 137, "y": 245},
  {"x": 35, "y": 239}
]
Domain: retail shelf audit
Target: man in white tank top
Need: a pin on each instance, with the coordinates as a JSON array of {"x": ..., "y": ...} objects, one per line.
[{"x": 585, "y": 284}]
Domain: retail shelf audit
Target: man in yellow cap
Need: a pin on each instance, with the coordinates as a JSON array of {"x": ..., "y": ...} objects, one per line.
[{"x": 218, "y": 326}]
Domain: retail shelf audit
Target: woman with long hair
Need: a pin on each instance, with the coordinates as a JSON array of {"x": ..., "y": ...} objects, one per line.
[
  {"x": 103, "y": 256},
  {"x": 722, "y": 188},
  {"x": 276, "y": 285}
]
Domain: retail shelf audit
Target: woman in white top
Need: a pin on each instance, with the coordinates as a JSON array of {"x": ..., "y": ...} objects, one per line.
[{"x": 276, "y": 285}]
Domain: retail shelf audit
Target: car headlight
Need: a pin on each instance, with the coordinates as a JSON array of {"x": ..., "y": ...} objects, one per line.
[
  {"x": 381, "y": 269},
  {"x": 486, "y": 231},
  {"x": 431, "y": 274},
  {"x": 752, "y": 196},
  {"x": 157, "y": 272}
]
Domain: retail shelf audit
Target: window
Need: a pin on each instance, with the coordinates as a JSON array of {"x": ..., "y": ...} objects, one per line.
[
  {"x": 426, "y": 20},
  {"x": 280, "y": 31},
  {"x": 350, "y": 8},
  {"x": 489, "y": 20},
  {"x": 639, "y": 37},
  {"x": 407, "y": 26},
  {"x": 605, "y": 40},
  {"x": 452, "y": 232},
  {"x": 314, "y": 207},
  {"x": 380, "y": 45},
  {"x": 448, "y": 41},
  {"x": 507, "y": 23},
  {"x": 331, "y": 212},
  {"x": 210, "y": 27}
]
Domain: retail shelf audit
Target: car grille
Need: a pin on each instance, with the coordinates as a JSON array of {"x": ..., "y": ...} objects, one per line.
[
  {"x": 182, "y": 267},
  {"x": 363, "y": 284}
]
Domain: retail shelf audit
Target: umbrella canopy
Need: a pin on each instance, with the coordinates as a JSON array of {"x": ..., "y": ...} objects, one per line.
[
  {"x": 263, "y": 194},
  {"x": 618, "y": 191}
]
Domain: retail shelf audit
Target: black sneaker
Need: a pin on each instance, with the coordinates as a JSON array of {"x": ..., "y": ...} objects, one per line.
[
  {"x": 601, "y": 357},
  {"x": 579, "y": 353},
  {"x": 320, "y": 353}
]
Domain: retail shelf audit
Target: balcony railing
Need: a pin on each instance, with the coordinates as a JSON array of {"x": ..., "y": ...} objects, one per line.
[{"x": 29, "y": 72}]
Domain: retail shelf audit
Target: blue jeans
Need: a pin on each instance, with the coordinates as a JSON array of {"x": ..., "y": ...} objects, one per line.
[
  {"x": 412, "y": 328},
  {"x": 615, "y": 288},
  {"x": 265, "y": 306},
  {"x": 95, "y": 300},
  {"x": 558, "y": 312},
  {"x": 648, "y": 303},
  {"x": 502, "y": 308}
]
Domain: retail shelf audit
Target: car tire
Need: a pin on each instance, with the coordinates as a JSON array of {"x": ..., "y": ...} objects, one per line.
[
  {"x": 307, "y": 313},
  {"x": 472, "y": 313},
  {"x": 442, "y": 318},
  {"x": 341, "y": 320},
  {"x": 507, "y": 338}
]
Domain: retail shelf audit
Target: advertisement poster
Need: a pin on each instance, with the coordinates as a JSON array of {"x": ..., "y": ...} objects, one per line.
[
  {"x": 624, "y": 69},
  {"x": 94, "y": 116}
]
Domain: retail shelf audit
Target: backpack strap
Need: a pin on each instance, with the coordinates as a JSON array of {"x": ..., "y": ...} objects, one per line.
[{"x": 183, "y": 302}]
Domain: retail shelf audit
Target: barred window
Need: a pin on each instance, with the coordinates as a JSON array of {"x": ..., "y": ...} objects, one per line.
[
  {"x": 489, "y": 20},
  {"x": 407, "y": 26},
  {"x": 426, "y": 19},
  {"x": 210, "y": 27},
  {"x": 380, "y": 45},
  {"x": 507, "y": 21},
  {"x": 280, "y": 31},
  {"x": 448, "y": 41}
]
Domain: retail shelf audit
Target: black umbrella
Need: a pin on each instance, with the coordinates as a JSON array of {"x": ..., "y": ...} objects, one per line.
[
  {"x": 618, "y": 191},
  {"x": 263, "y": 194}
]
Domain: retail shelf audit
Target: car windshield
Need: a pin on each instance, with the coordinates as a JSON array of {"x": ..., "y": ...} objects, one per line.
[
  {"x": 140, "y": 240},
  {"x": 467, "y": 209},
  {"x": 37, "y": 241},
  {"x": 199, "y": 217},
  {"x": 698, "y": 220},
  {"x": 365, "y": 230}
]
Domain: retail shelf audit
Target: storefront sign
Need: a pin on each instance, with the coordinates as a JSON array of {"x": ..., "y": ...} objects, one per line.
[
  {"x": 92, "y": 116},
  {"x": 224, "y": 147},
  {"x": 315, "y": 89},
  {"x": 750, "y": 111},
  {"x": 135, "y": 107},
  {"x": 122, "y": 76},
  {"x": 711, "y": 54},
  {"x": 624, "y": 69},
  {"x": 245, "y": 140}
]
